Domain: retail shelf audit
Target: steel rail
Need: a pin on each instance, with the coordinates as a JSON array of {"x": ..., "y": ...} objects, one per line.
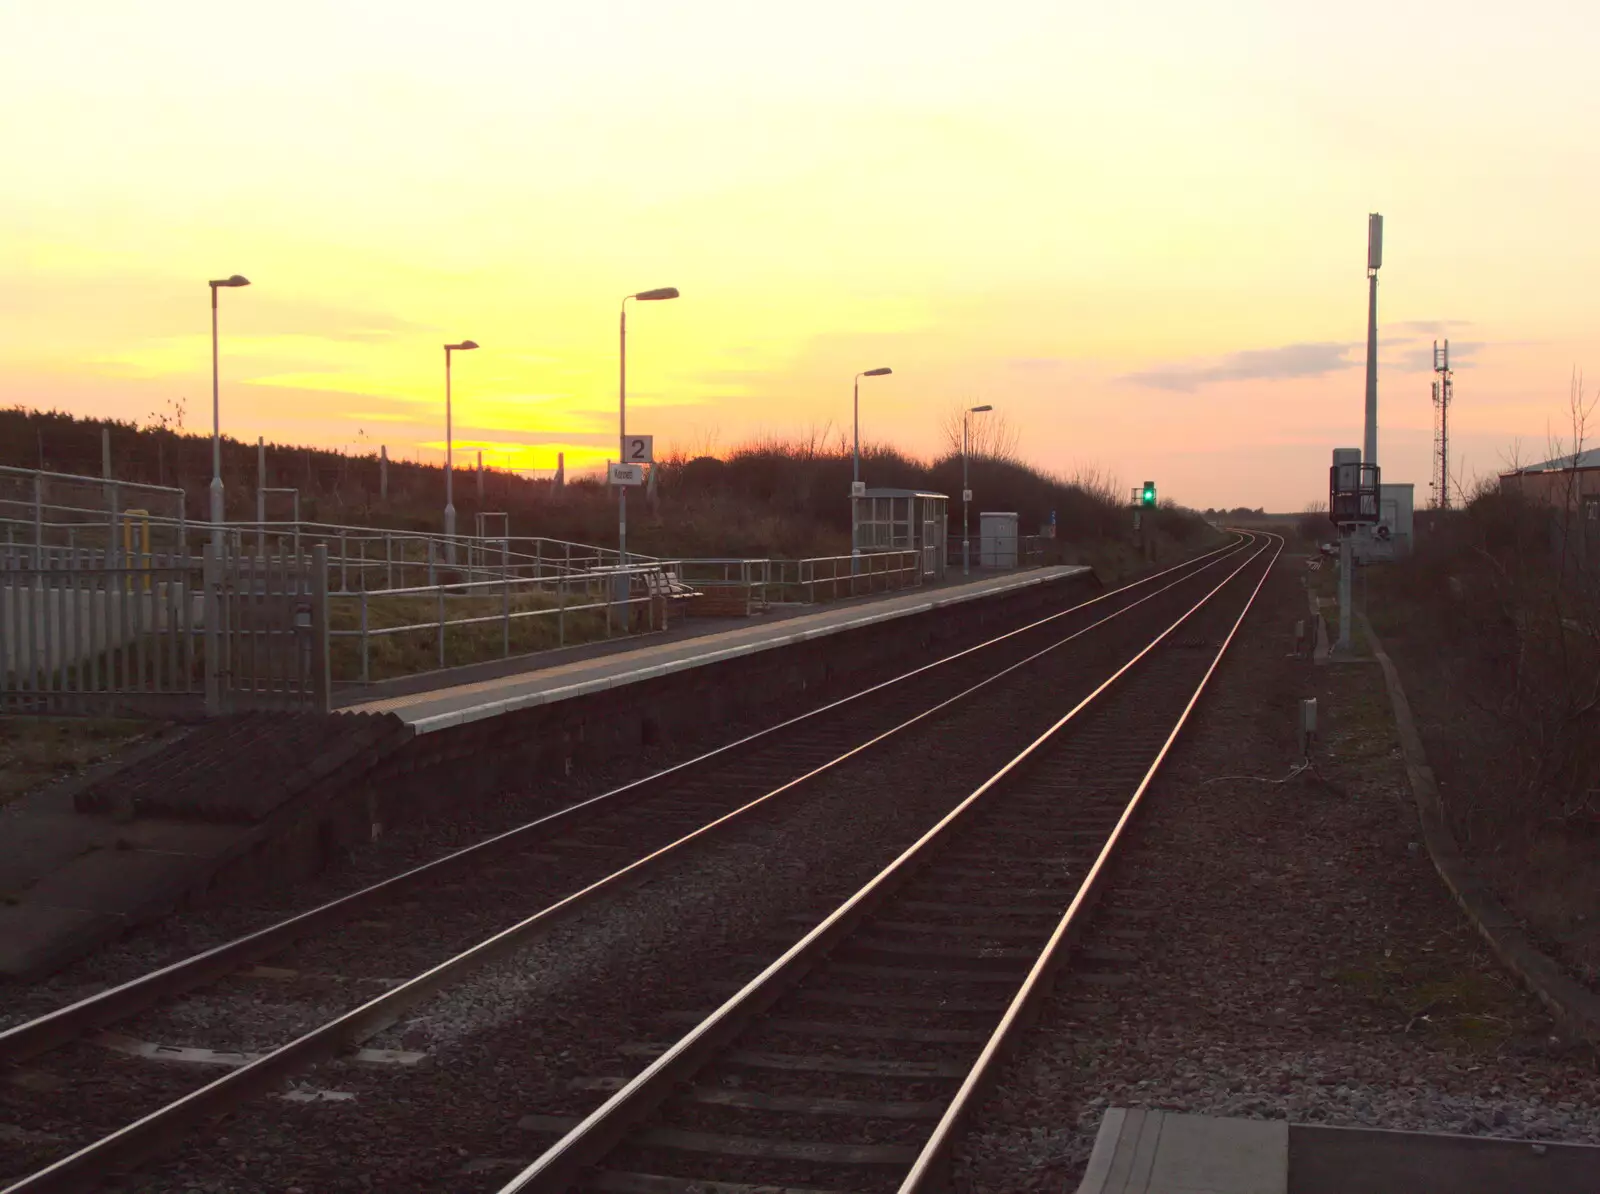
[
  {"x": 604, "y": 1128},
  {"x": 930, "y": 1171},
  {"x": 151, "y": 1132},
  {"x": 73, "y": 1021}
]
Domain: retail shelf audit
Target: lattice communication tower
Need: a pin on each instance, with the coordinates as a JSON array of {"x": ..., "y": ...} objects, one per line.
[{"x": 1441, "y": 426}]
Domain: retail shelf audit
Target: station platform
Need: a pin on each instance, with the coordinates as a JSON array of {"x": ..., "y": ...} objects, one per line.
[
  {"x": 257, "y": 802},
  {"x": 1165, "y": 1152},
  {"x": 444, "y": 708}
]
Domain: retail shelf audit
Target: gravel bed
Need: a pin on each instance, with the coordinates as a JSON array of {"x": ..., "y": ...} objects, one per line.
[
  {"x": 1304, "y": 960},
  {"x": 508, "y": 1041}
]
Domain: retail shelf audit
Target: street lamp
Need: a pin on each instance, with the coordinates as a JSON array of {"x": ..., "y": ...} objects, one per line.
[
  {"x": 855, "y": 473},
  {"x": 216, "y": 413},
  {"x": 966, "y": 493},
  {"x": 449, "y": 452},
  {"x": 644, "y": 296}
]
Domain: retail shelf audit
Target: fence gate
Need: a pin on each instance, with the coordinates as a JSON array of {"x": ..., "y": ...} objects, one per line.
[
  {"x": 90, "y": 631},
  {"x": 266, "y": 626}
]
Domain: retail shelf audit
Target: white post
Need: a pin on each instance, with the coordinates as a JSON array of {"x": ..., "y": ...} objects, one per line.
[
  {"x": 1346, "y": 563},
  {"x": 261, "y": 495},
  {"x": 449, "y": 492},
  {"x": 622, "y": 442},
  {"x": 216, "y": 432},
  {"x": 966, "y": 535},
  {"x": 213, "y": 618}
]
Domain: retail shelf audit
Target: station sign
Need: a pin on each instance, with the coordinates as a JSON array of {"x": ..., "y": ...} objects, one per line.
[
  {"x": 639, "y": 449},
  {"x": 626, "y": 474}
]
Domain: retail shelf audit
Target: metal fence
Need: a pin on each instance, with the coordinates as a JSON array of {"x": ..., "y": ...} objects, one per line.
[
  {"x": 87, "y": 631},
  {"x": 43, "y": 509},
  {"x": 383, "y": 633}
]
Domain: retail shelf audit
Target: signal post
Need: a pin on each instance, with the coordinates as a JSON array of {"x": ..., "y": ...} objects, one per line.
[{"x": 1144, "y": 504}]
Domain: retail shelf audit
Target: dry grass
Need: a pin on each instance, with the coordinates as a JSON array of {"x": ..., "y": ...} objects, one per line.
[
  {"x": 412, "y": 651},
  {"x": 36, "y": 750}
]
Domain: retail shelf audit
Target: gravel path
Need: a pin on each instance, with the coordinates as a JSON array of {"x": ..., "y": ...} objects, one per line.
[{"x": 1305, "y": 962}]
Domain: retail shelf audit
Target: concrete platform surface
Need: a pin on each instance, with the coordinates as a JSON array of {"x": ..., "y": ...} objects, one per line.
[
  {"x": 1325, "y": 1160},
  {"x": 441, "y": 709},
  {"x": 1165, "y": 1152}
]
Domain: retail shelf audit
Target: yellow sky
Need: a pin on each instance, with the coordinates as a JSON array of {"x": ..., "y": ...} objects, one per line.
[{"x": 1137, "y": 229}]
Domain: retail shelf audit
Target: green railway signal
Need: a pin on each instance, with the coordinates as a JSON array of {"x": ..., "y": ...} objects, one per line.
[{"x": 1147, "y": 496}]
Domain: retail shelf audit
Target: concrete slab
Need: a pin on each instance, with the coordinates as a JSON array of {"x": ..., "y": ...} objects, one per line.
[
  {"x": 117, "y": 882},
  {"x": 1164, "y": 1152},
  {"x": 428, "y": 712},
  {"x": 36, "y": 845},
  {"x": 1324, "y": 1160},
  {"x": 38, "y": 938}
]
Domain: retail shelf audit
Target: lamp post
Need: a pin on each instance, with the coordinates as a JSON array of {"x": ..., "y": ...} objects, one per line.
[
  {"x": 855, "y": 470},
  {"x": 966, "y": 493},
  {"x": 644, "y": 296},
  {"x": 855, "y": 473},
  {"x": 216, "y": 412},
  {"x": 449, "y": 452}
]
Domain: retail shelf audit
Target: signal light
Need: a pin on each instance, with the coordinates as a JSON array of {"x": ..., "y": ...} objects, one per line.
[{"x": 1148, "y": 496}]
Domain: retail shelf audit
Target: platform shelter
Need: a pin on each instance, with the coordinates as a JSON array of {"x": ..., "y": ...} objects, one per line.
[{"x": 902, "y": 520}]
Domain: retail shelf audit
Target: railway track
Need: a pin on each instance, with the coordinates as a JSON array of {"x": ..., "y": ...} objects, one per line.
[
  {"x": 851, "y": 1061},
  {"x": 309, "y": 1006}
]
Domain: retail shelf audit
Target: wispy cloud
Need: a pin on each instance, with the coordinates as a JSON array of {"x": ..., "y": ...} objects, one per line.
[
  {"x": 1429, "y": 327},
  {"x": 1255, "y": 364}
]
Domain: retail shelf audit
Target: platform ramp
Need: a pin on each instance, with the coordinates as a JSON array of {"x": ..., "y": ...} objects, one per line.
[{"x": 246, "y": 768}]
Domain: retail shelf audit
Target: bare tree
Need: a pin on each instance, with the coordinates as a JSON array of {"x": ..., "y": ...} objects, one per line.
[
  {"x": 991, "y": 434},
  {"x": 1098, "y": 482}
]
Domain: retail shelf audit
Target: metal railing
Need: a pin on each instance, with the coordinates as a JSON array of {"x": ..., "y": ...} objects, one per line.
[
  {"x": 380, "y": 634},
  {"x": 83, "y": 630},
  {"x": 46, "y": 510},
  {"x": 40, "y": 509}
]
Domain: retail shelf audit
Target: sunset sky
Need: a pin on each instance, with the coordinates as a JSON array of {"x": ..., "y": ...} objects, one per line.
[{"x": 1138, "y": 229}]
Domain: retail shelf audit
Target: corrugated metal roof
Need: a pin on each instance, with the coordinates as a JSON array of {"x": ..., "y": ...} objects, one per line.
[{"x": 1589, "y": 459}]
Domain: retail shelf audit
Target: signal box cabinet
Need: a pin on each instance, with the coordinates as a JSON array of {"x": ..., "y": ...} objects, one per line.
[{"x": 997, "y": 540}]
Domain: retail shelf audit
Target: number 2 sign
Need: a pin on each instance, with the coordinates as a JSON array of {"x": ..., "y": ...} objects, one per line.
[{"x": 639, "y": 449}]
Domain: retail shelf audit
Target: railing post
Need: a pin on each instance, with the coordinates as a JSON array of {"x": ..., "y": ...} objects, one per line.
[
  {"x": 365, "y": 674},
  {"x": 388, "y": 560},
  {"x": 38, "y": 519},
  {"x": 439, "y": 589},
  {"x": 344, "y": 562},
  {"x": 505, "y": 634},
  {"x": 321, "y": 675},
  {"x": 212, "y": 580}
]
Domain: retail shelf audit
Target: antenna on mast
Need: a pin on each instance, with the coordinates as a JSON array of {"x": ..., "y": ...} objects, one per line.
[{"x": 1442, "y": 393}]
